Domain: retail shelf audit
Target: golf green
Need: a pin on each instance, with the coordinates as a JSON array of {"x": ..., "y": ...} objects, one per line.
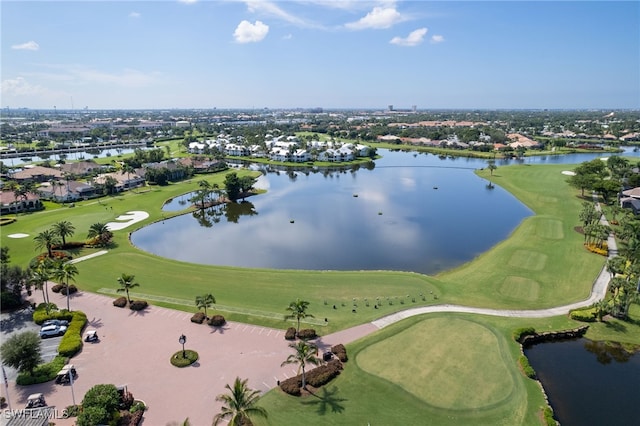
[{"x": 455, "y": 364}]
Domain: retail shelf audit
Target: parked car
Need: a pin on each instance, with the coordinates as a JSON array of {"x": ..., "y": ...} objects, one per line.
[
  {"x": 56, "y": 322},
  {"x": 52, "y": 330}
]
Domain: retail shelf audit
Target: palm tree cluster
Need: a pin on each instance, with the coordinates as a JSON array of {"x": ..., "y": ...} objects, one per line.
[
  {"x": 240, "y": 404},
  {"x": 51, "y": 269}
]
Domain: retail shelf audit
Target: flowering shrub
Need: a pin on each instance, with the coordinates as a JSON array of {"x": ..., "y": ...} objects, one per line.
[{"x": 603, "y": 250}]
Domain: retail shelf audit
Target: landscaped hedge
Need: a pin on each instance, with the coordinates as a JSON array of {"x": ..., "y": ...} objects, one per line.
[
  {"x": 72, "y": 289},
  {"x": 43, "y": 372},
  {"x": 519, "y": 333},
  {"x": 307, "y": 333},
  {"x": 527, "y": 369},
  {"x": 584, "y": 314},
  {"x": 120, "y": 302},
  {"x": 324, "y": 374},
  {"x": 138, "y": 305},
  {"x": 290, "y": 334},
  {"x": 40, "y": 314},
  {"x": 57, "y": 288},
  {"x": 340, "y": 351},
  {"x": 71, "y": 342},
  {"x": 198, "y": 317},
  {"x": 292, "y": 385},
  {"x": 217, "y": 321},
  {"x": 179, "y": 361}
]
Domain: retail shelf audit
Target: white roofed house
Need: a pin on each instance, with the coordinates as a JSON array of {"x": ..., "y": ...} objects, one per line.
[
  {"x": 196, "y": 147},
  {"x": 236, "y": 150},
  {"x": 65, "y": 191},
  {"x": 280, "y": 154},
  {"x": 300, "y": 156}
]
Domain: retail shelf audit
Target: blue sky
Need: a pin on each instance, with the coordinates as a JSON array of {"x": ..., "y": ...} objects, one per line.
[{"x": 319, "y": 53}]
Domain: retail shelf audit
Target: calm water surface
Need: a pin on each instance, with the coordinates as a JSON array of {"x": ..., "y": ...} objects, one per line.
[
  {"x": 588, "y": 383},
  {"x": 412, "y": 212},
  {"x": 419, "y": 214}
]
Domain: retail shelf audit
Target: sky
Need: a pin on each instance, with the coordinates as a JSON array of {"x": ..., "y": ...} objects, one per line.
[{"x": 319, "y": 53}]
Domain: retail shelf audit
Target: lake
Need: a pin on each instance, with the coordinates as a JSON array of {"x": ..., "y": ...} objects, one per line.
[
  {"x": 587, "y": 382},
  {"x": 411, "y": 212}
]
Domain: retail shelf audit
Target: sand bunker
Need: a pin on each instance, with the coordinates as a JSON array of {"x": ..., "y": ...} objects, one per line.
[
  {"x": 127, "y": 219},
  {"x": 18, "y": 235},
  {"x": 568, "y": 173}
]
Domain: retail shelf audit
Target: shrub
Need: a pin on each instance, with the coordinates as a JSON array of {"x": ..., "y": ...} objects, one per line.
[
  {"x": 189, "y": 358},
  {"x": 40, "y": 314},
  {"x": 72, "y": 410},
  {"x": 9, "y": 300},
  {"x": 138, "y": 305},
  {"x": 324, "y": 374},
  {"x": 198, "y": 317},
  {"x": 138, "y": 406},
  {"x": 290, "y": 334},
  {"x": 104, "y": 396},
  {"x": 120, "y": 302},
  {"x": 519, "y": 333},
  {"x": 136, "y": 418},
  {"x": 3, "y": 401},
  {"x": 547, "y": 413},
  {"x": 72, "y": 289},
  {"x": 93, "y": 415},
  {"x": 527, "y": 369},
  {"x": 57, "y": 288},
  {"x": 307, "y": 333},
  {"x": 584, "y": 314},
  {"x": 43, "y": 372},
  {"x": 340, "y": 351},
  {"x": 71, "y": 342},
  {"x": 217, "y": 321},
  {"x": 292, "y": 385}
]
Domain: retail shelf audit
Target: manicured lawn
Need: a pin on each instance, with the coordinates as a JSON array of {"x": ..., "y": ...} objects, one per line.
[{"x": 431, "y": 373}]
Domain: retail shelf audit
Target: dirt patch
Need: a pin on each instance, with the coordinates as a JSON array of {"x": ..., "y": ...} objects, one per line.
[{"x": 579, "y": 229}]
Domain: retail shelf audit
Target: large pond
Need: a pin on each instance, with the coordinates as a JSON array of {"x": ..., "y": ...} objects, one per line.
[
  {"x": 588, "y": 383},
  {"x": 411, "y": 212}
]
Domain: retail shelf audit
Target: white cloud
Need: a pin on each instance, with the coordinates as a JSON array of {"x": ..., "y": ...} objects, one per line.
[
  {"x": 437, "y": 39},
  {"x": 30, "y": 45},
  {"x": 378, "y": 18},
  {"x": 188, "y": 1},
  {"x": 413, "y": 39},
  {"x": 134, "y": 15},
  {"x": 246, "y": 32},
  {"x": 76, "y": 74},
  {"x": 20, "y": 91},
  {"x": 271, "y": 9}
]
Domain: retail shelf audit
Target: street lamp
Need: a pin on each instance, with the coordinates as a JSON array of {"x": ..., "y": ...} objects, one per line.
[{"x": 183, "y": 340}]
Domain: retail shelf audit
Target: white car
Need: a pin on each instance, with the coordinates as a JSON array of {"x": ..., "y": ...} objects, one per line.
[{"x": 52, "y": 330}]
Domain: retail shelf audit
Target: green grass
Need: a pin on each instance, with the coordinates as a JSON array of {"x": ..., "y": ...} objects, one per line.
[{"x": 541, "y": 264}]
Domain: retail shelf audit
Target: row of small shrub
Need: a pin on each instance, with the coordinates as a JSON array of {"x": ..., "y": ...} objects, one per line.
[
  {"x": 43, "y": 372},
  {"x": 304, "y": 334},
  {"x": 584, "y": 314},
  {"x": 69, "y": 245},
  {"x": 520, "y": 333},
  {"x": 215, "y": 321},
  {"x": 62, "y": 288},
  {"x": 40, "y": 314},
  {"x": 317, "y": 377},
  {"x": 603, "y": 251},
  {"x": 71, "y": 342},
  {"x": 340, "y": 352},
  {"x": 135, "y": 305},
  {"x": 527, "y": 369}
]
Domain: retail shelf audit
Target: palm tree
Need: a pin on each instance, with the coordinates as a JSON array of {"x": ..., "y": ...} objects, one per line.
[
  {"x": 298, "y": 310},
  {"x": 100, "y": 231},
  {"x": 239, "y": 404},
  {"x": 39, "y": 276},
  {"x": 304, "y": 354},
  {"x": 47, "y": 238},
  {"x": 65, "y": 271},
  {"x": 205, "y": 301},
  {"x": 64, "y": 229},
  {"x": 491, "y": 165},
  {"x": 127, "y": 282}
]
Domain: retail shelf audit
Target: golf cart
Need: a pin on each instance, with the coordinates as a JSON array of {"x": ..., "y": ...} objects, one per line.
[
  {"x": 64, "y": 374},
  {"x": 91, "y": 336},
  {"x": 36, "y": 400}
]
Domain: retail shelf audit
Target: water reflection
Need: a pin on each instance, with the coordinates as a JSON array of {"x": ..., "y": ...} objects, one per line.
[{"x": 606, "y": 352}]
